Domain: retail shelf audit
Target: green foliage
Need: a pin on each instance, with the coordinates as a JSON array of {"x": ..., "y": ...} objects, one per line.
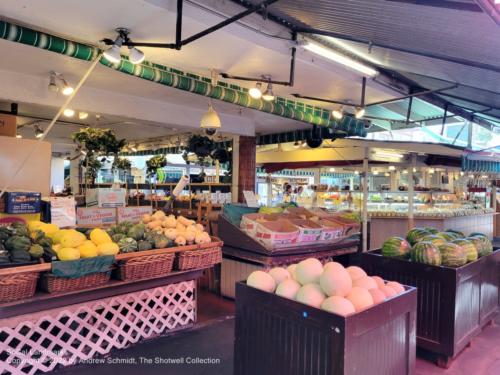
[
  {"x": 99, "y": 141},
  {"x": 155, "y": 163},
  {"x": 121, "y": 164}
]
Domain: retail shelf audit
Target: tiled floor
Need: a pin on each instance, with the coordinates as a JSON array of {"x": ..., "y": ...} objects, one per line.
[{"x": 213, "y": 338}]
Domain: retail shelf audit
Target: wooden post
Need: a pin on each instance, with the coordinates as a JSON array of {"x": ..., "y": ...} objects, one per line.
[{"x": 246, "y": 165}]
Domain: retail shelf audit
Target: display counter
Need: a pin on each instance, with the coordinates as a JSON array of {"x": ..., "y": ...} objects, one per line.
[
  {"x": 382, "y": 227},
  {"x": 63, "y": 329}
]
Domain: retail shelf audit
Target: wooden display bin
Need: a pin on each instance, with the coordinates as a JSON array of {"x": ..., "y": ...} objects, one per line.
[
  {"x": 453, "y": 303},
  {"x": 277, "y": 336}
]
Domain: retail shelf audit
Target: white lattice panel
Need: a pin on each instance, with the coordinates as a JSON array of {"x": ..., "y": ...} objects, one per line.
[{"x": 68, "y": 335}]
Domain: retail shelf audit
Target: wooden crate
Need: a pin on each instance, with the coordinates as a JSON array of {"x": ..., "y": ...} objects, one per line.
[
  {"x": 278, "y": 336},
  {"x": 453, "y": 303}
]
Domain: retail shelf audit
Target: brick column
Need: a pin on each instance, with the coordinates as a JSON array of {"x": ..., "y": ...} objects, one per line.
[{"x": 246, "y": 166}]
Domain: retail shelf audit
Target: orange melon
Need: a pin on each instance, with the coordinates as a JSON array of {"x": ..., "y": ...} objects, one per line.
[
  {"x": 365, "y": 282},
  {"x": 360, "y": 298},
  {"x": 338, "y": 305},
  {"x": 355, "y": 272},
  {"x": 377, "y": 295},
  {"x": 335, "y": 281}
]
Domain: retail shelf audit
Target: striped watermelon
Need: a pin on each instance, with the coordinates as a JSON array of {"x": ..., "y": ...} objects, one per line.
[
  {"x": 427, "y": 253},
  {"x": 435, "y": 240},
  {"x": 416, "y": 234},
  {"x": 448, "y": 236},
  {"x": 483, "y": 244},
  {"x": 452, "y": 255},
  {"x": 457, "y": 232},
  {"x": 431, "y": 230},
  {"x": 396, "y": 247},
  {"x": 469, "y": 247}
]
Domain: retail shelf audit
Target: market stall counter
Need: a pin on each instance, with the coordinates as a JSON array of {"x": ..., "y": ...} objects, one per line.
[{"x": 261, "y": 242}]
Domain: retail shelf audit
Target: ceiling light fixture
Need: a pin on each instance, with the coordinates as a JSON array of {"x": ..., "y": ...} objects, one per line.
[
  {"x": 256, "y": 92},
  {"x": 339, "y": 58},
  {"x": 210, "y": 121},
  {"x": 375, "y": 172},
  {"x": 268, "y": 95},
  {"x": 338, "y": 114},
  {"x": 136, "y": 56},
  {"x": 392, "y": 168},
  {"x": 38, "y": 132},
  {"x": 83, "y": 115},
  {"x": 68, "y": 112},
  {"x": 67, "y": 89},
  {"x": 52, "y": 83},
  {"x": 360, "y": 112},
  {"x": 332, "y": 169},
  {"x": 19, "y": 136}
]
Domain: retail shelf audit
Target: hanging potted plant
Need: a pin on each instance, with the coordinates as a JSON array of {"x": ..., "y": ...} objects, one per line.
[
  {"x": 152, "y": 166},
  {"x": 97, "y": 144},
  {"x": 223, "y": 156}
]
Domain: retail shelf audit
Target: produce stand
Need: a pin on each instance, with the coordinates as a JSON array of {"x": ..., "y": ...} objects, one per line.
[
  {"x": 275, "y": 335},
  {"x": 242, "y": 254},
  {"x": 384, "y": 226},
  {"x": 48, "y": 330},
  {"x": 453, "y": 303}
]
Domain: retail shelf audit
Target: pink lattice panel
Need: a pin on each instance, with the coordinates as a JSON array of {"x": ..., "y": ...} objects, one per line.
[{"x": 65, "y": 336}]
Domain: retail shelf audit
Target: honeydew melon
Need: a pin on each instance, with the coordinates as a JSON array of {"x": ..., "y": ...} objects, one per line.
[
  {"x": 308, "y": 271},
  {"x": 335, "y": 281},
  {"x": 288, "y": 288},
  {"x": 338, "y": 305},
  {"x": 310, "y": 294},
  {"x": 355, "y": 272},
  {"x": 279, "y": 274},
  {"x": 261, "y": 280}
]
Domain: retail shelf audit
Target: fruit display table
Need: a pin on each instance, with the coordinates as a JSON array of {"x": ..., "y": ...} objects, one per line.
[
  {"x": 383, "y": 227},
  {"x": 280, "y": 336},
  {"x": 453, "y": 303},
  {"x": 242, "y": 255},
  {"x": 62, "y": 329}
]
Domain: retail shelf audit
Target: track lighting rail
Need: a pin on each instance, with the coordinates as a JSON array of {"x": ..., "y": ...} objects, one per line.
[{"x": 178, "y": 30}]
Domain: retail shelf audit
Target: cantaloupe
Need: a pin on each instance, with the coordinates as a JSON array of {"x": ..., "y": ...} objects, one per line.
[
  {"x": 261, "y": 280},
  {"x": 310, "y": 294},
  {"x": 291, "y": 269},
  {"x": 338, "y": 305},
  {"x": 279, "y": 274},
  {"x": 355, "y": 272},
  {"x": 360, "y": 298},
  {"x": 388, "y": 291},
  {"x": 308, "y": 271},
  {"x": 380, "y": 282},
  {"x": 335, "y": 281},
  {"x": 365, "y": 282},
  {"x": 396, "y": 286},
  {"x": 377, "y": 295},
  {"x": 288, "y": 288}
]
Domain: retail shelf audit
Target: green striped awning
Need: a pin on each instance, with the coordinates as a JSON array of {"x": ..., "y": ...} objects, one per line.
[
  {"x": 480, "y": 166},
  {"x": 183, "y": 81}
]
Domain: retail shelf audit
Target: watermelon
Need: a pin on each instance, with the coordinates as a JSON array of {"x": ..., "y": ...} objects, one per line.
[
  {"x": 452, "y": 255},
  {"x": 416, "y": 234},
  {"x": 457, "y": 232},
  {"x": 483, "y": 244},
  {"x": 469, "y": 247},
  {"x": 435, "y": 240},
  {"x": 448, "y": 236},
  {"x": 431, "y": 230},
  {"x": 427, "y": 253},
  {"x": 477, "y": 234},
  {"x": 396, "y": 247}
]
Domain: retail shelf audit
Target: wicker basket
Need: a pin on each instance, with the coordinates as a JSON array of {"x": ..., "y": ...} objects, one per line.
[
  {"x": 18, "y": 286},
  {"x": 145, "y": 265},
  {"x": 200, "y": 256},
  {"x": 55, "y": 284}
]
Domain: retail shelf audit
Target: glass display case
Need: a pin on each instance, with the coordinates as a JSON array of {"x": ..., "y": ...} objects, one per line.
[{"x": 395, "y": 203}]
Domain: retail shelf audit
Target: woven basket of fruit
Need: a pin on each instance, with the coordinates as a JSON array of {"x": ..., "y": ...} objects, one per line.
[
  {"x": 18, "y": 285},
  {"x": 55, "y": 284},
  {"x": 146, "y": 264},
  {"x": 203, "y": 255}
]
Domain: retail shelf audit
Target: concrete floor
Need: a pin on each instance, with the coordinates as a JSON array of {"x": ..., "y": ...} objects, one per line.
[{"x": 212, "y": 338}]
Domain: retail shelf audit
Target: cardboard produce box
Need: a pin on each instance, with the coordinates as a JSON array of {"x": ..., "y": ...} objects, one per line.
[
  {"x": 279, "y": 233},
  {"x": 309, "y": 231},
  {"x": 21, "y": 203},
  {"x": 332, "y": 231},
  {"x": 104, "y": 197}
]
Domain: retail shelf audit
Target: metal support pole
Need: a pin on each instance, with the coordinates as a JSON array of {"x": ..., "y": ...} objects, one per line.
[
  {"x": 411, "y": 189},
  {"x": 469, "y": 136},
  {"x": 363, "y": 92},
  {"x": 178, "y": 26},
  {"x": 365, "y": 201},
  {"x": 444, "y": 118},
  {"x": 408, "y": 112}
]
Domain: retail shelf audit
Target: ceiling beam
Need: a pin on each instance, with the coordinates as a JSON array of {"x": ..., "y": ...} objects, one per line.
[
  {"x": 490, "y": 9},
  {"x": 446, "y": 4}
]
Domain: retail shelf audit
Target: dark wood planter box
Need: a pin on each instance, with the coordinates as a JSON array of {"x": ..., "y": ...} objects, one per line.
[
  {"x": 277, "y": 336},
  {"x": 453, "y": 303}
]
